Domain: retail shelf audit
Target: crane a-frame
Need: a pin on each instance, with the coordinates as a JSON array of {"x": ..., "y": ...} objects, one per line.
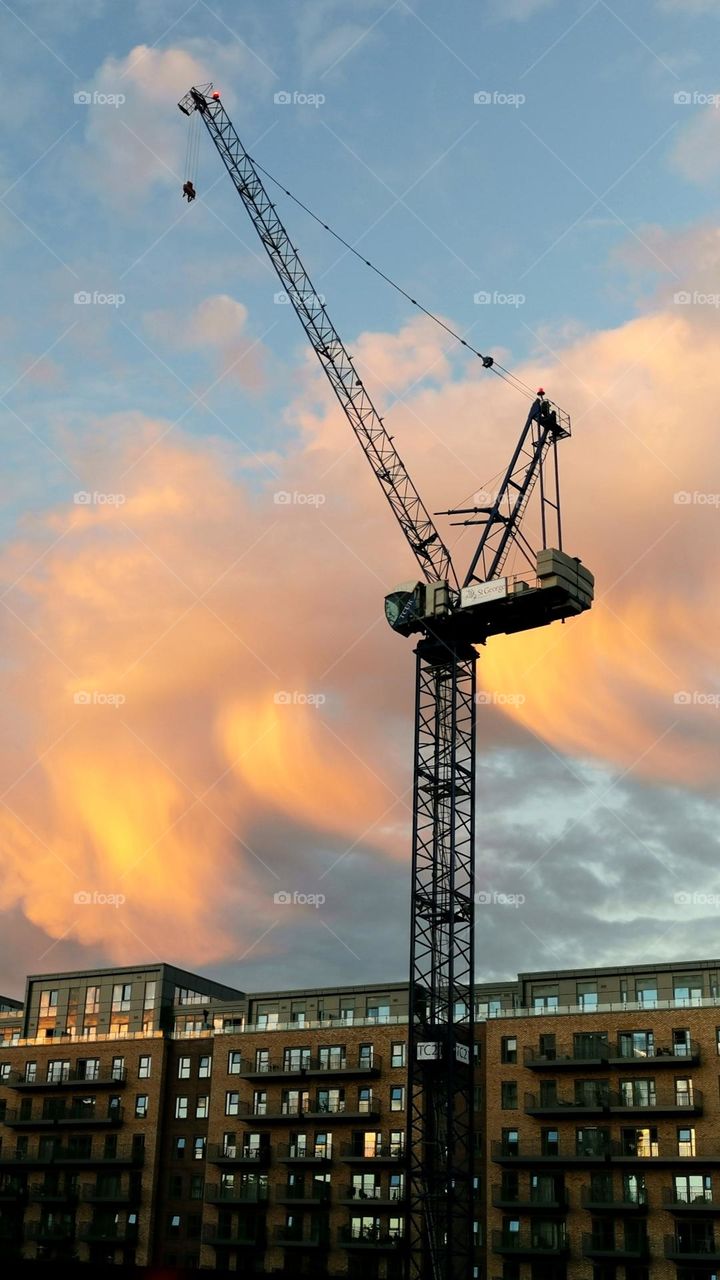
[{"x": 451, "y": 618}]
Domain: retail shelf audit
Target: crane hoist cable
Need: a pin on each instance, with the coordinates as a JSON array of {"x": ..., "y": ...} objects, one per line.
[{"x": 488, "y": 361}]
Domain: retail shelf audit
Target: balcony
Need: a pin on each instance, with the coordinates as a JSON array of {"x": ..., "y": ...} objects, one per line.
[
  {"x": 107, "y": 1079},
  {"x": 377, "y": 1239},
  {"x": 288, "y": 1153},
  {"x": 49, "y": 1232},
  {"x": 372, "y": 1198},
  {"x": 526, "y": 1244},
  {"x": 566, "y": 1152},
  {"x": 587, "y": 1057},
  {"x": 691, "y": 1250},
  {"x": 704, "y": 1203},
  {"x": 91, "y": 1194},
  {"x": 247, "y": 1235},
  {"x": 252, "y": 1157},
  {"x": 314, "y": 1067},
  {"x": 14, "y": 1189},
  {"x": 664, "y": 1103},
  {"x": 604, "y": 1247},
  {"x": 298, "y": 1237},
  {"x": 311, "y": 1197},
  {"x": 595, "y": 1201},
  {"x": 110, "y": 1233},
  {"x": 385, "y": 1152},
  {"x": 676, "y": 1056},
  {"x": 72, "y": 1156},
  {"x": 316, "y": 1112},
  {"x": 82, "y": 1117},
  {"x": 530, "y": 1204},
  {"x": 50, "y": 1193},
  {"x": 565, "y": 1108},
  {"x": 216, "y": 1193}
]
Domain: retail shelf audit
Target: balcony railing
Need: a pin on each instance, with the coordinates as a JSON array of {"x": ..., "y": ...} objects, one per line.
[
  {"x": 692, "y": 1249},
  {"x": 90, "y": 1193},
  {"x": 517, "y": 1242},
  {"x": 687, "y": 1201},
  {"x": 314, "y": 1065},
  {"x": 72, "y": 1155},
  {"x": 24, "y": 1118},
  {"x": 111, "y": 1233},
  {"x": 662, "y": 1102},
  {"x": 41, "y": 1231},
  {"x": 216, "y": 1193},
  {"x": 546, "y": 1202},
  {"x": 361, "y": 1197},
  {"x": 566, "y": 1150},
  {"x": 369, "y": 1238},
  {"x": 106, "y": 1077},
  {"x": 614, "y": 1053},
  {"x": 600, "y": 1200},
  {"x": 306, "y": 1155},
  {"x": 247, "y": 1234},
  {"x": 298, "y": 1235},
  {"x": 239, "y": 1154},
  {"x": 314, "y": 1194},
  {"x": 45, "y": 1192},
  {"x": 383, "y": 1151},
  {"x": 601, "y": 1246}
]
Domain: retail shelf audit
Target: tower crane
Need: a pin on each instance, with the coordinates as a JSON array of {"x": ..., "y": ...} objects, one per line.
[{"x": 451, "y": 618}]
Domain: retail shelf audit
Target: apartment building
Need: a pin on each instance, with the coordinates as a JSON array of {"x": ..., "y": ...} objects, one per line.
[{"x": 152, "y": 1116}]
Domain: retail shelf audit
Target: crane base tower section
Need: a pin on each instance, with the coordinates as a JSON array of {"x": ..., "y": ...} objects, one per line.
[{"x": 440, "y": 1105}]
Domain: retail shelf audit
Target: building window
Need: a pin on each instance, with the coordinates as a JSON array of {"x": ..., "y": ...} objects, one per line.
[
  {"x": 681, "y": 1042},
  {"x": 174, "y": 1226},
  {"x": 331, "y": 1057},
  {"x": 204, "y": 1066},
  {"x": 121, "y": 996},
  {"x": 149, "y": 997},
  {"x": 232, "y": 1104},
  {"x": 397, "y": 1054},
  {"x": 397, "y": 1098},
  {"x": 693, "y": 1188},
  {"x": 144, "y": 1067},
  {"x": 58, "y": 1069},
  {"x": 175, "y": 1187},
  {"x": 510, "y": 1141},
  {"x": 141, "y": 1106},
  {"x": 181, "y": 1107},
  {"x": 508, "y": 1095},
  {"x": 545, "y": 997},
  {"x": 646, "y": 992},
  {"x": 508, "y": 1049},
  {"x": 686, "y": 1142},
  {"x": 48, "y": 1004},
  {"x": 636, "y": 1044},
  {"x": 183, "y": 1068},
  {"x": 31, "y": 1072},
  {"x": 180, "y": 1144},
  {"x": 234, "y": 1062},
  {"x": 688, "y": 992},
  {"x": 683, "y": 1091},
  {"x": 587, "y": 995},
  {"x": 397, "y": 1142},
  {"x": 365, "y": 1055},
  {"x": 4, "y": 1072},
  {"x": 92, "y": 1000},
  {"x": 117, "y": 1071},
  {"x": 202, "y": 1107},
  {"x": 196, "y": 1186},
  {"x": 378, "y": 1012},
  {"x": 199, "y": 1148}
]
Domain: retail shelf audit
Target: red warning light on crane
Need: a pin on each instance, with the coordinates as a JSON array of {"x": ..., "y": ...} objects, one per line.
[{"x": 216, "y": 96}]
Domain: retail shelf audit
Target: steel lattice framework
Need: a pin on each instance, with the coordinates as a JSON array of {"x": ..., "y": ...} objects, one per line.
[{"x": 440, "y": 1214}]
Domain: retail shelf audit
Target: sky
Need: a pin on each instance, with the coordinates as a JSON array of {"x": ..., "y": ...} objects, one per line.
[{"x": 205, "y": 711}]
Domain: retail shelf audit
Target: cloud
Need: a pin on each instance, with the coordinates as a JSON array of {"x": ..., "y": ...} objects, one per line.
[
  {"x": 518, "y": 10},
  {"x": 217, "y": 325},
  {"x": 695, "y": 154}
]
